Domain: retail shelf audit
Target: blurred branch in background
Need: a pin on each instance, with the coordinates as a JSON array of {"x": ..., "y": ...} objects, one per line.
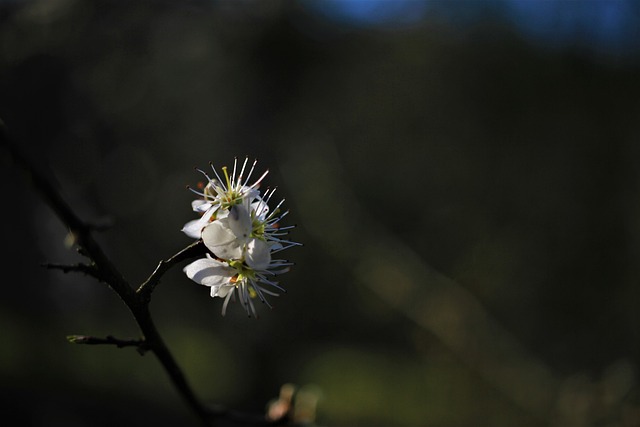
[{"x": 384, "y": 264}]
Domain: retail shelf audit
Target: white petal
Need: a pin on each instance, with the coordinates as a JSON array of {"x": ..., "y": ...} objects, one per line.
[
  {"x": 260, "y": 208},
  {"x": 194, "y": 228},
  {"x": 258, "y": 254},
  {"x": 230, "y": 251},
  {"x": 221, "y": 291},
  {"x": 200, "y": 205},
  {"x": 249, "y": 193},
  {"x": 240, "y": 221},
  {"x": 220, "y": 240},
  {"x": 217, "y": 233},
  {"x": 209, "y": 272}
]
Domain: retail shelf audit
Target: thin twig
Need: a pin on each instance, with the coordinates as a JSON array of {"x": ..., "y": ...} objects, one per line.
[
  {"x": 140, "y": 344},
  {"x": 89, "y": 270},
  {"x": 147, "y": 287}
]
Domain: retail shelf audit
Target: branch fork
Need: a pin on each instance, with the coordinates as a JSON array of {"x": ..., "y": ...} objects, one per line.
[{"x": 137, "y": 301}]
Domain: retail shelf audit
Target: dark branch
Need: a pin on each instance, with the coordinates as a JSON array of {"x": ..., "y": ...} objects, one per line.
[
  {"x": 81, "y": 231},
  {"x": 191, "y": 251},
  {"x": 108, "y": 273},
  {"x": 140, "y": 344}
]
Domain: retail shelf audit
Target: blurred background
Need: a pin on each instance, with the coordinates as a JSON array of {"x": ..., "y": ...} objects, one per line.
[{"x": 463, "y": 176}]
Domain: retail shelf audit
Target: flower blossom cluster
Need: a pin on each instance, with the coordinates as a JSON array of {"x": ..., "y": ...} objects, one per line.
[{"x": 242, "y": 235}]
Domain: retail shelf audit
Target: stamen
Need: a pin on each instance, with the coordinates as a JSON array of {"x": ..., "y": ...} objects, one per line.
[
  {"x": 271, "y": 221},
  {"x": 261, "y": 208},
  {"x": 247, "y": 300},
  {"x": 251, "y": 170},
  {"x": 226, "y": 177},
  {"x": 277, "y": 210},
  {"x": 242, "y": 171},
  {"x": 280, "y": 263},
  {"x": 268, "y": 292},
  {"x": 226, "y": 301},
  {"x": 268, "y": 195},
  {"x": 259, "y": 290},
  {"x": 217, "y": 176},
  {"x": 256, "y": 289},
  {"x": 233, "y": 176},
  {"x": 203, "y": 173},
  {"x": 257, "y": 183},
  {"x": 287, "y": 246},
  {"x": 253, "y": 309},
  {"x": 199, "y": 193},
  {"x": 279, "y": 272},
  {"x": 263, "y": 279},
  {"x": 288, "y": 227}
]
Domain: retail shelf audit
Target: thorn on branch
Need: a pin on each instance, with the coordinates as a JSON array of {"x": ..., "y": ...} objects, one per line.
[
  {"x": 89, "y": 270},
  {"x": 141, "y": 345}
]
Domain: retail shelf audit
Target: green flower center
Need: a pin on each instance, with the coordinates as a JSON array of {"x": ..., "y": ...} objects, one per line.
[{"x": 243, "y": 270}]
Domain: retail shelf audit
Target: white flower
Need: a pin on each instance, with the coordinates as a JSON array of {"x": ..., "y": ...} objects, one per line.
[
  {"x": 242, "y": 234},
  {"x": 231, "y": 238},
  {"x": 227, "y": 279},
  {"x": 219, "y": 195},
  {"x": 212, "y": 272}
]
